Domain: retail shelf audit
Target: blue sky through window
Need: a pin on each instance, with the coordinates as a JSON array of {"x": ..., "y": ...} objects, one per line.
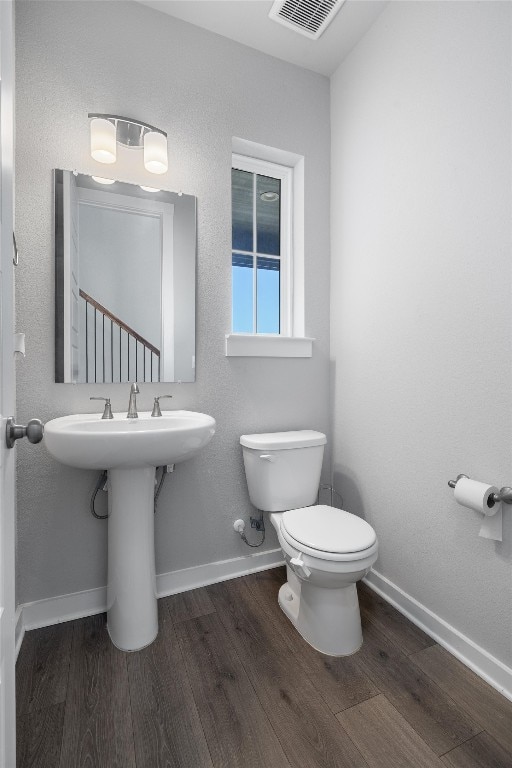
[{"x": 255, "y": 200}]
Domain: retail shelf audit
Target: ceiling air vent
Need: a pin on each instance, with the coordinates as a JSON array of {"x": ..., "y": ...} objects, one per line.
[{"x": 308, "y": 17}]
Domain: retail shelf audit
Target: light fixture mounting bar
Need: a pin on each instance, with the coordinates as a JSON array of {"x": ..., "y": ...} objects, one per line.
[{"x": 130, "y": 133}]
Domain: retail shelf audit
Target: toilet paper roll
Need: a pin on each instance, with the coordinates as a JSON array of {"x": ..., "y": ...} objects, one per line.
[
  {"x": 477, "y": 496},
  {"x": 492, "y": 527}
]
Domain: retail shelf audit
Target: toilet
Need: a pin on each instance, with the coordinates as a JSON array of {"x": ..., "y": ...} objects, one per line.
[{"x": 327, "y": 550}]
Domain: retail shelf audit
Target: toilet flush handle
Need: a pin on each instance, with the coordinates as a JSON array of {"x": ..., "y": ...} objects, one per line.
[
  {"x": 267, "y": 457},
  {"x": 300, "y": 567}
]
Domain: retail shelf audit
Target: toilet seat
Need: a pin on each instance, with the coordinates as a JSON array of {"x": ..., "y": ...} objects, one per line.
[{"x": 328, "y": 533}]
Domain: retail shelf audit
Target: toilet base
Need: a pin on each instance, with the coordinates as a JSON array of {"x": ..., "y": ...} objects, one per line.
[{"x": 328, "y": 619}]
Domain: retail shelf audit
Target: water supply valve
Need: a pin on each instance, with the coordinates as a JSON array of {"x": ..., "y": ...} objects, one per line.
[{"x": 239, "y": 526}]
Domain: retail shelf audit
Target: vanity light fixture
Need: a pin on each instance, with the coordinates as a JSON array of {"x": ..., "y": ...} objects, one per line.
[
  {"x": 149, "y": 189},
  {"x": 107, "y": 131}
]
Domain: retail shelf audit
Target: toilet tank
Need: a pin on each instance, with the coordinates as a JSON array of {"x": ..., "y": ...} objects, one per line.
[{"x": 283, "y": 468}]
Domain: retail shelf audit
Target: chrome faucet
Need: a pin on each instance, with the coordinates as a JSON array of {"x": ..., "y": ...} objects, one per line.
[{"x": 132, "y": 405}]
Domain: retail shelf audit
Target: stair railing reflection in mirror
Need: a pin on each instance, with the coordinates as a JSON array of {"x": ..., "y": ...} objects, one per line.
[{"x": 114, "y": 352}]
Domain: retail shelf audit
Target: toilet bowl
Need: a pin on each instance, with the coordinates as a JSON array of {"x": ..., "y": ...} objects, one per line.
[
  {"x": 320, "y": 596},
  {"x": 327, "y": 550}
]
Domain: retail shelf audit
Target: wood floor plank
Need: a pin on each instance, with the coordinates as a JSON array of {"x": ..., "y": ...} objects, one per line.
[
  {"x": 188, "y": 605},
  {"x": 384, "y": 738},
  {"x": 391, "y": 622},
  {"x": 340, "y": 681},
  {"x": 97, "y": 722},
  {"x": 166, "y": 726},
  {"x": 482, "y": 702},
  {"x": 433, "y": 714},
  {"x": 237, "y": 730},
  {"x": 480, "y": 752},
  {"x": 42, "y": 668},
  {"x": 39, "y": 737},
  {"x": 309, "y": 733}
]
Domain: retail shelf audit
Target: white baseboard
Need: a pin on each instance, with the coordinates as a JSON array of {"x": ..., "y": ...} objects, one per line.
[
  {"x": 55, "y": 610},
  {"x": 469, "y": 653},
  {"x": 212, "y": 573}
]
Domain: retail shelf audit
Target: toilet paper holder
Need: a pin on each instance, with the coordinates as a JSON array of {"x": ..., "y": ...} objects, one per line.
[{"x": 504, "y": 494}]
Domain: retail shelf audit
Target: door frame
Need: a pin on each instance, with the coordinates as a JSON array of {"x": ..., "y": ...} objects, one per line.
[{"x": 7, "y": 392}]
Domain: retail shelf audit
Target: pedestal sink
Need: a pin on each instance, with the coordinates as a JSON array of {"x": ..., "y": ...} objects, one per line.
[{"x": 130, "y": 449}]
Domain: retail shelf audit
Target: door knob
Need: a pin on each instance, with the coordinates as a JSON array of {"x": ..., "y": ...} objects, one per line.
[{"x": 33, "y": 431}]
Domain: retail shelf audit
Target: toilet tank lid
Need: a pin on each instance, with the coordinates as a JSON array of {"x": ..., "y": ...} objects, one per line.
[{"x": 278, "y": 441}]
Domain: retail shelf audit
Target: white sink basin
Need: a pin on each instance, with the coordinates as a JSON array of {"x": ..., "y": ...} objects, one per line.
[
  {"x": 87, "y": 441},
  {"x": 130, "y": 449}
]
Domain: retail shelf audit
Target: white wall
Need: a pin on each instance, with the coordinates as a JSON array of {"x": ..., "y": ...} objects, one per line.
[
  {"x": 124, "y": 58},
  {"x": 421, "y": 289}
]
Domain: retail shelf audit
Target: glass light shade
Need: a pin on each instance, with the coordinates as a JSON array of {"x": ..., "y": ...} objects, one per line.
[
  {"x": 155, "y": 152},
  {"x": 103, "y": 140},
  {"x": 102, "y": 180}
]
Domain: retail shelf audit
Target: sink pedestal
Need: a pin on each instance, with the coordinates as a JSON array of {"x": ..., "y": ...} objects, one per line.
[{"x": 132, "y": 614}]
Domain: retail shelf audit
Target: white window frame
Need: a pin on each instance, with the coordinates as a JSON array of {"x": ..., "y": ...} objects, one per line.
[{"x": 289, "y": 168}]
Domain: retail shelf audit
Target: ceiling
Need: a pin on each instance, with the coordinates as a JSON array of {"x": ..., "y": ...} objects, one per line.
[{"x": 247, "y": 22}]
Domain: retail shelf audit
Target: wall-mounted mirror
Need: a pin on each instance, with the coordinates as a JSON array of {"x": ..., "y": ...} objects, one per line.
[{"x": 125, "y": 260}]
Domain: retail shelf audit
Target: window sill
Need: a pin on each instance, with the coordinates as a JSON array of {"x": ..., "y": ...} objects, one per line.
[{"x": 263, "y": 345}]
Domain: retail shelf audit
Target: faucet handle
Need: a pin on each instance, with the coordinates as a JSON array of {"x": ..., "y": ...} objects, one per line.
[
  {"x": 156, "y": 407},
  {"x": 135, "y": 388},
  {"x": 107, "y": 413}
]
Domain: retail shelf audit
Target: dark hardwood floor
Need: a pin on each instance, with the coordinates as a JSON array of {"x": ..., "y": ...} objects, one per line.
[{"x": 229, "y": 683}]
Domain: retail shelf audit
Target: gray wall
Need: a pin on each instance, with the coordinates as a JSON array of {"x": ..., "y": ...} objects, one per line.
[
  {"x": 202, "y": 89},
  {"x": 421, "y": 286}
]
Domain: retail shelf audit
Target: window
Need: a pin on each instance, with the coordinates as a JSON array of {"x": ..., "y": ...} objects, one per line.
[
  {"x": 261, "y": 227},
  {"x": 267, "y": 257}
]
